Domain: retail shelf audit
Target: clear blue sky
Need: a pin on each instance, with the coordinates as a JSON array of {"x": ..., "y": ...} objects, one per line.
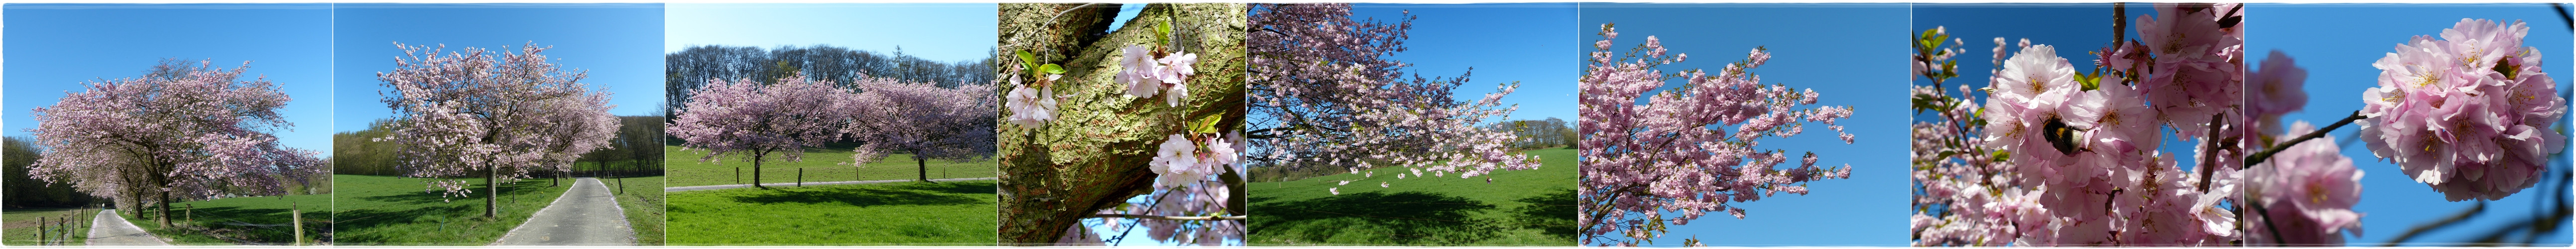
[
  {"x": 55, "y": 47},
  {"x": 1849, "y": 53},
  {"x": 618, "y": 43},
  {"x": 940, "y": 32},
  {"x": 2337, "y": 43},
  {"x": 1502, "y": 42}
]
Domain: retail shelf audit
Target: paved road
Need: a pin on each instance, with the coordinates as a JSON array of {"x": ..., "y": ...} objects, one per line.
[
  {"x": 791, "y": 184},
  {"x": 585, "y": 215},
  {"x": 111, "y": 230}
]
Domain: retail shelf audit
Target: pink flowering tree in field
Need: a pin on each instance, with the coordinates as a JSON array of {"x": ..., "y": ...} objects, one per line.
[
  {"x": 921, "y": 119},
  {"x": 496, "y": 114},
  {"x": 746, "y": 119},
  {"x": 2057, "y": 155},
  {"x": 1687, "y": 151},
  {"x": 179, "y": 132},
  {"x": 1330, "y": 98},
  {"x": 1135, "y": 134}
]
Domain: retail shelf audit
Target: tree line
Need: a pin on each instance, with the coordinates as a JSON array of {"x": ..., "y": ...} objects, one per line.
[{"x": 691, "y": 68}]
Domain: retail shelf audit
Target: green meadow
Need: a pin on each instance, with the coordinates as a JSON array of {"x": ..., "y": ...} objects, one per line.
[
  {"x": 259, "y": 220},
  {"x": 1518, "y": 208},
  {"x": 388, "y": 210},
  {"x": 901, "y": 213}
]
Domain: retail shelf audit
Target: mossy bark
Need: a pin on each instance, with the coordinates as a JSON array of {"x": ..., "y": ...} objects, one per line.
[{"x": 1095, "y": 154}]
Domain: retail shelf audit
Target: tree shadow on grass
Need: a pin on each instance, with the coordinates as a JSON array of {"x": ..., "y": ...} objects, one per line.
[
  {"x": 427, "y": 196},
  {"x": 911, "y": 194},
  {"x": 374, "y": 226},
  {"x": 371, "y": 225},
  {"x": 264, "y": 226},
  {"x": 1552, "y": 212},
  {"x": 1410, "y": 217}
]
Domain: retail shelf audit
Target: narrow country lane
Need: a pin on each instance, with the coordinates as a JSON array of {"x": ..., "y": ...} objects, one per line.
[
  {"x": 585, "y": 215},
  {"x": 111, "y": 230}
]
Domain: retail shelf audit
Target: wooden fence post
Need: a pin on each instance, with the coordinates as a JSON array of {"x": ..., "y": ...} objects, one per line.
[
  {"x": 41, "y": 232},
  {"x": 737, "y": 175},
  {"x": 296, "y": 215}
]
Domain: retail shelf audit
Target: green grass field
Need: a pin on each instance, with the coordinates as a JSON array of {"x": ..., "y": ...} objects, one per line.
[
  {"x": 1522, "y": 208},
  {"x": 641, "y": 197},
  {"x": 259, "y": 220},
  {"x": 19, "y": 224},
  {"x": 820, "y": 165},
  {"x": 907, "y": 213},
  {"x": 386, "y": 210}
]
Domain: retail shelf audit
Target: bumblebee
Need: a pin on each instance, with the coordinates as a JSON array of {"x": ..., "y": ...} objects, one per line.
[{"x": 2059, "y": 135}]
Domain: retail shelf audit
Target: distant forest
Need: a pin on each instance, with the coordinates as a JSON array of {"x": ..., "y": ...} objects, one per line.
[{"x": 692, "y": 67}]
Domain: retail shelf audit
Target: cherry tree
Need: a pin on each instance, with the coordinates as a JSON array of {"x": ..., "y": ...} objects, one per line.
[
  {"x": 1329, "y": 97},
  {"x": 745, "y": 119},
  {"x": 921, "y": 119},
  {"x": 1130, "y": 138},
  {"x": 1688, "y": 151},
  {"x": 178, "y": 132},
  {"x": 497, "y": 114}
]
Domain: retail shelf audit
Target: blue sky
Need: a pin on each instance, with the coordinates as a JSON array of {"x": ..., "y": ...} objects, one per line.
[
  {"x": 620, "y": 45},
  {"x": 2337, "y": 43},
  {"x": 1502, "y": 42},
  {"x": 1849, "y": 53},
  {"x": 56, "y": 47},
  {"x": 940, "y": 32}
]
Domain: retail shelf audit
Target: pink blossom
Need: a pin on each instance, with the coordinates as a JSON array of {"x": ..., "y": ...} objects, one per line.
[
  {"x": 2310, "y": 189},
  {"x": 2279, "y": 88},
  {"x": 2465, "y": 114},
  {"x": 1030, "y": 106},
  {"x": 1137, "y": 69}
]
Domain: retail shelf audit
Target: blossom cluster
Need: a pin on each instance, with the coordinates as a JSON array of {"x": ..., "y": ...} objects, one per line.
[
  {"x": 2054, "y": 156},
  {"x": 1689, "y": 151},
  {"x": 2467, "y": 112},
  {"x": 2309, "y": 190}
]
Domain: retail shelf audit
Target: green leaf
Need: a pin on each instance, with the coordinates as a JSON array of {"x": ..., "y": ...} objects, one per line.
[
  {"x": 1026, "y": 59},
  {"x": 1207, "y": 124},
  {"x": 1163, "y": 32},
  {"x": 1051, "y": 68}
]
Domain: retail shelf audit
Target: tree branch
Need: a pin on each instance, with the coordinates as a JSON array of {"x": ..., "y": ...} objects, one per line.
[
  {"x": 2257, "y": 158},
  {"x": 2455, "y": 219}
]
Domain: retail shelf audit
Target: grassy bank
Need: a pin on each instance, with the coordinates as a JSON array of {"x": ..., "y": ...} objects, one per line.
[
  {"x": 820, "y": 165},
  {"x": 386, "y": 210},
  {"x": 909, "y": 213},
  {"x": 641, "y": 197},
  {"x": 1525, "y": 207}
]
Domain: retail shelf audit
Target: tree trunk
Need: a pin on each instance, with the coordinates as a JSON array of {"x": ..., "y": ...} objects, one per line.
[
  {"x": 163, "y": 216},
  {"x": 755, "y": 169},
  {"x": 492, "y": 192},
  {"x": 1095, "y": 154},
  {"x": 924, "y": 164}
]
